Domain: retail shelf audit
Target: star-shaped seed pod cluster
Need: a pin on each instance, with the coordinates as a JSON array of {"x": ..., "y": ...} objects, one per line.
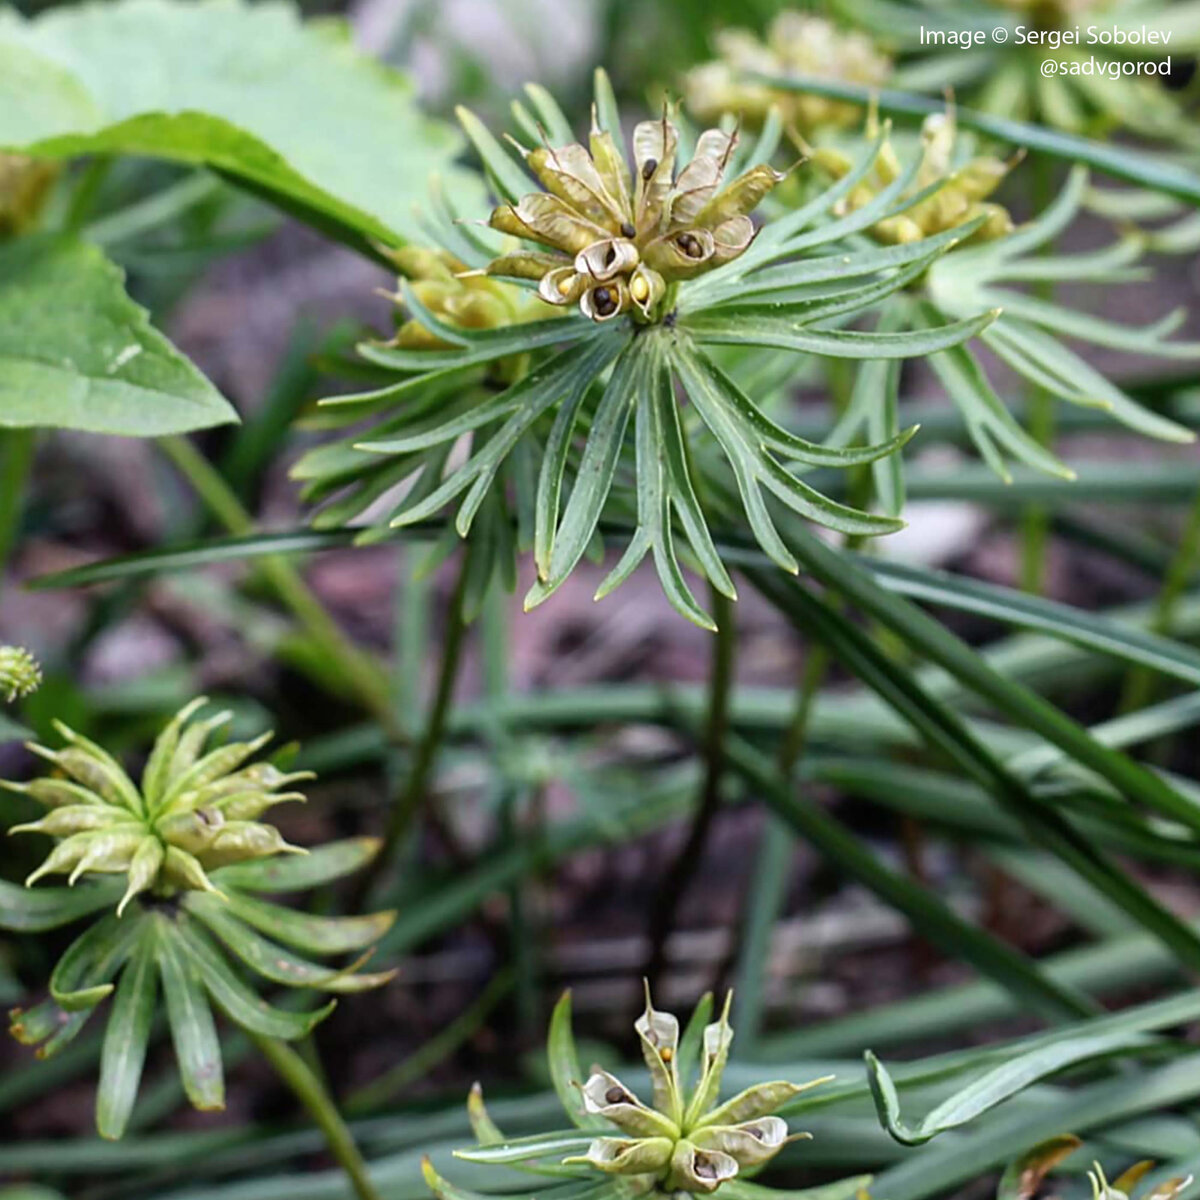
[
  {"x": 196, "y": 808},
  {"x": 684, "y": 1140},
  {"x": 19, "y": 673},
  {"x": 689, "y": 1142},
  {"x": 616, "y": 240}
]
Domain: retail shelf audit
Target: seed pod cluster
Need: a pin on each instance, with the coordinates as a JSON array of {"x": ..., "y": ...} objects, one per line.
[
  {"x": 196, "y": 808},
  {"x": 616, "y": 239},
  {"x": 961, "y": 197},
  {"x": 796, "y": 43}
]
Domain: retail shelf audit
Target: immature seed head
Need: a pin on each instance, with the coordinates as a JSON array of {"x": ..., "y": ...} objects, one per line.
[
  {"x": 19, "y": 673},
  {"x": 195, "y": 809}
]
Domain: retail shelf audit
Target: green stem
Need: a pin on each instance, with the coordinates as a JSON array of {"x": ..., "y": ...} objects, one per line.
[
  {"x": 16, "y": 458},
  {"x": 1139, "y": 683},
  {"x": 307, "y": 1088},
  {"x": 368, "y": 682},
  {"x": 407, "y": 807},
  {"x": 676, "y": 880}
]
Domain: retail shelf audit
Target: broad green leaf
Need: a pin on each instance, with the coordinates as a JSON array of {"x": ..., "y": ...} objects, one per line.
[
  {"x": 299, "y": 872},
  {"x": 193, "y": 1031},
  {"x": 127, "y": 1036},
  {"x": 991, "y": 1089},
  {"x": 34, "y": 910},
  {"x": 234, "y": 998},
  {"x": 77, "y": 353},
  {"x": 291, "y": 111}
]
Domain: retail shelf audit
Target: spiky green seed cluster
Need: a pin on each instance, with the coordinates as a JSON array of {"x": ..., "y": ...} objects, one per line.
[
  {"x": 19, "y": 673},
  {"x": 196, "y": 808}
]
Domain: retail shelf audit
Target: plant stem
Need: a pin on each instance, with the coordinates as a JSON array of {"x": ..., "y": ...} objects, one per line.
[
  {"x": 1139, "y": 683},
  {"x": 368, "y": 682},
  {"x": 307, "y": 1088},
  {"x": 425, "y": 754},
  {"x": 16, "y": 458},
  {"x": 676, "y": 880}
]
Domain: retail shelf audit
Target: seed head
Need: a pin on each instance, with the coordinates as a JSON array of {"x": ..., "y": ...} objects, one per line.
[
  {"x": 195, "y": 809},
  {"x": 19, "y": 673},
  {"x": 618, "y": 238}
]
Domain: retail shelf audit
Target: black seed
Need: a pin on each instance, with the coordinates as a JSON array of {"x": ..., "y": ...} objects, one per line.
[
  {"x": 614, "y": 1095},
  {"x": 627, "y": 230},
  {"x": 690, "y": 245},
  {"x": 610, "y": 257},
  {"x": 649, "y": 167},
  {"x": 705, "y": 1169},
  {"x": 604, "y": 301}
]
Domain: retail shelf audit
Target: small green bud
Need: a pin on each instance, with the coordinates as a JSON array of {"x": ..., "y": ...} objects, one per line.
[{"x": 19, "y": 673}]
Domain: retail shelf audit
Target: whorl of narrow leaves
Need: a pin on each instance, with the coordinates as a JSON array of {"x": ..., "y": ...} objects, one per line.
[
  {"x": 605, "y": 408},
  {"x": 683, "y": 1140},
  {"x": 192, "y": 858}
]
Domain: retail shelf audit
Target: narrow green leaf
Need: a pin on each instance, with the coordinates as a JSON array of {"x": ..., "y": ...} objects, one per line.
[
  {"x": 565, "y": 1071},
  {"x": 34, "y": 910},
  {"x": 193, "y": 1032},
  {"x": 234, "y": 998},
  {"x": 748, "y": 327},
  {"x": 83, "y": 976},
  {"x": 509, "y": 179},
  {"x": 127, "y": 1036},
  {"x": 299, "y": 872},
  {"x": 540, "y": 1145},
  {"x": 1120, "y": 161},
  {"x": 314, "y": 935},
  {"x": 279, "y": 965},
  {"x": 596, "y": 470},
  {"x": 993, "y": 1088}
]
